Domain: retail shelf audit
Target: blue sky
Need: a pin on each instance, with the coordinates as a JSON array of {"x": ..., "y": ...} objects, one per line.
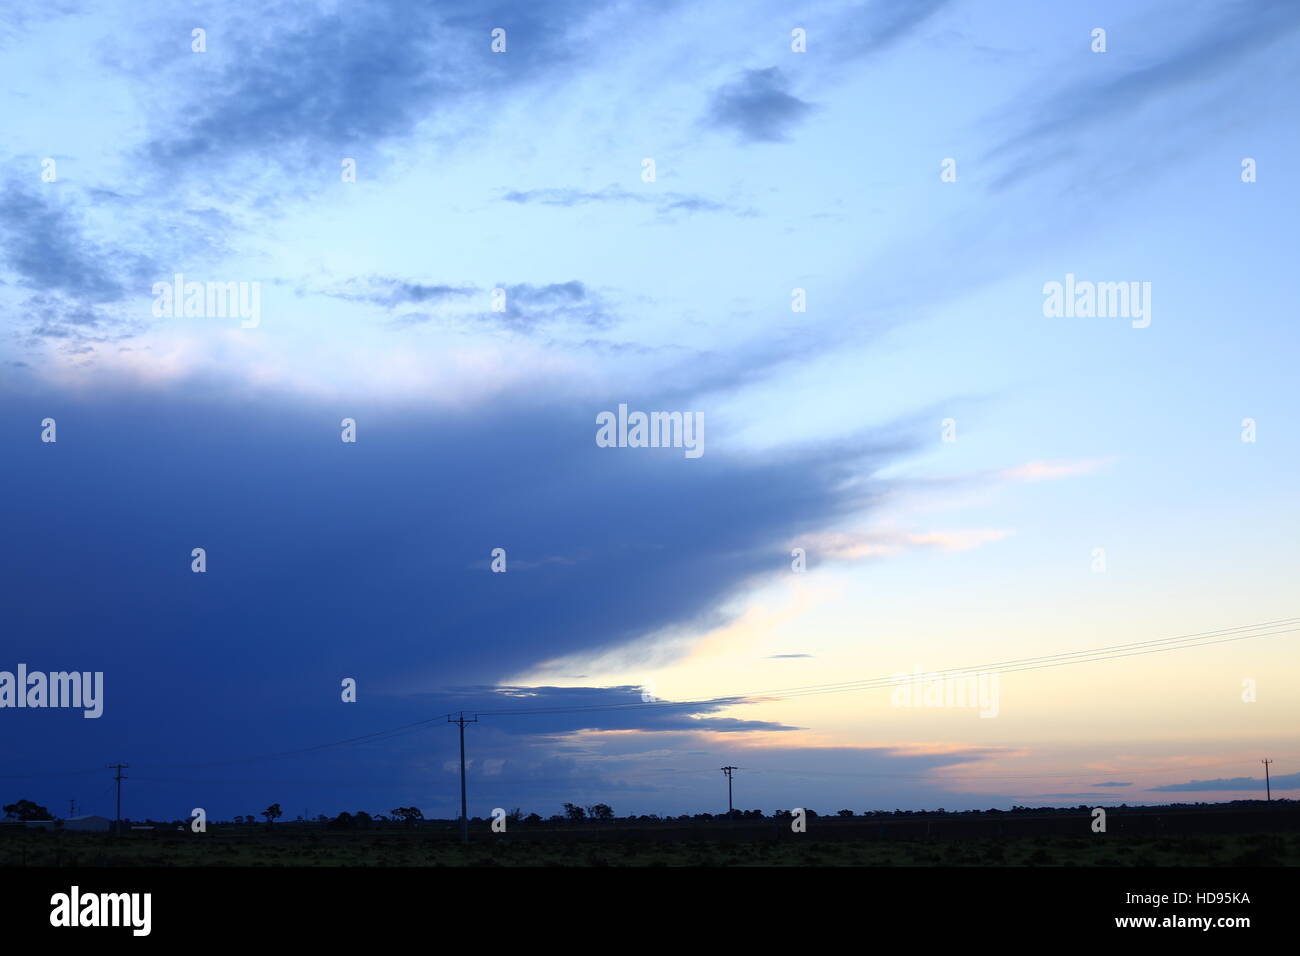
[{"x": 524, "y": 171}]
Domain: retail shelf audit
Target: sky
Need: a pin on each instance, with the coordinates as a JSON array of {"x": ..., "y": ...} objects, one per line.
[{"x": 827, "y": 231}]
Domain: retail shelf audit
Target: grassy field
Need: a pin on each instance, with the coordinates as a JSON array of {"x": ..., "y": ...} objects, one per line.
[{"x": 395, "y": 849}]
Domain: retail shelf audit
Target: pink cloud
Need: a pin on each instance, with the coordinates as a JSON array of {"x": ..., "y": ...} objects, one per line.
[
  {"x": 1051, "y": 470},
  {"x": 853, "y": 546}
]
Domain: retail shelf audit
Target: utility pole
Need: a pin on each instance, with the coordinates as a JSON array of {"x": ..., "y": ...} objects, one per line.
[
  {"x": 728, "y": 772},
  {"x": 72, "y": 808},
  {"x": 1267, "y": 788},
  {"x": 119, "y": 767},
  {"x": 464, "y": 815}
]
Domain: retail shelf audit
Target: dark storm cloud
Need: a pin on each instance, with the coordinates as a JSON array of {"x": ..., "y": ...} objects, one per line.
[
  {"x": 328, "y": 560},
  {"x": 758, "y": 107},
  {"x": 521, "y": 710}
]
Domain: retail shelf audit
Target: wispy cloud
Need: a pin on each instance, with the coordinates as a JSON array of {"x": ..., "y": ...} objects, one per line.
[
  {"x": 520, "y": 307},
  {"x": 1286, "y": 781},
  {"x": 1065, "y": 124},
  {"x": 853, "y": 546},
  {"x": 46, "y": 244},
  {"x": 872, "y": 27},
  {"x": 342, "y": 84},
  {"x": 663, "y": 202},
  {"x": 391, "y": 292},
  {"x": 1053, "y": 470},
  {"x": 758, "y": 106}
]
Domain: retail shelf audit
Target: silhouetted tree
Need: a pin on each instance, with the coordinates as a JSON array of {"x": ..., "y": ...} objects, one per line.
[
  {"x": 574, "y": 813},
  {"x": 272, "y": 813},
  {"x": 26, "y": 810},
  {"x": 600, "y": 811},
  {"x": 408, "y": 815}
]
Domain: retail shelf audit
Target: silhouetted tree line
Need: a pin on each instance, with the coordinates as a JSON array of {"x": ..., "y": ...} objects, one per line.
[
  {"x": 602, "y": 813},
  {"x": 26, "y": 810}
]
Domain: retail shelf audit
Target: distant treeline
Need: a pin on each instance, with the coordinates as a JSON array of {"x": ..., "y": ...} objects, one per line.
[
  {"x": 601, "y": 813},
  {"x": 26, "y": 810}
]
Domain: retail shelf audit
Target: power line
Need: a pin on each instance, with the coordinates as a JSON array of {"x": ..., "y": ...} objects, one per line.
[
  {"x": 1087, "y": 772},
  {"x": 1200, "y": 639},
  {"x": 1180, "y": 640},
  {"x": 226, "y": 781},
  {"x": 1040, "y": 662},
  {"x": 1108, "y": 652},
  {"x": 671, "y": 771},
  {"x": 995, "y": 776},
  {"x": 42, "y": 776}
]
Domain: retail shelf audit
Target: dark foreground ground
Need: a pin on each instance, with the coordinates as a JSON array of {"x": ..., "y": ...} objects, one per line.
[
  {"x": 1259, "y": 836},
  {"x": 82, "y": 850}
]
